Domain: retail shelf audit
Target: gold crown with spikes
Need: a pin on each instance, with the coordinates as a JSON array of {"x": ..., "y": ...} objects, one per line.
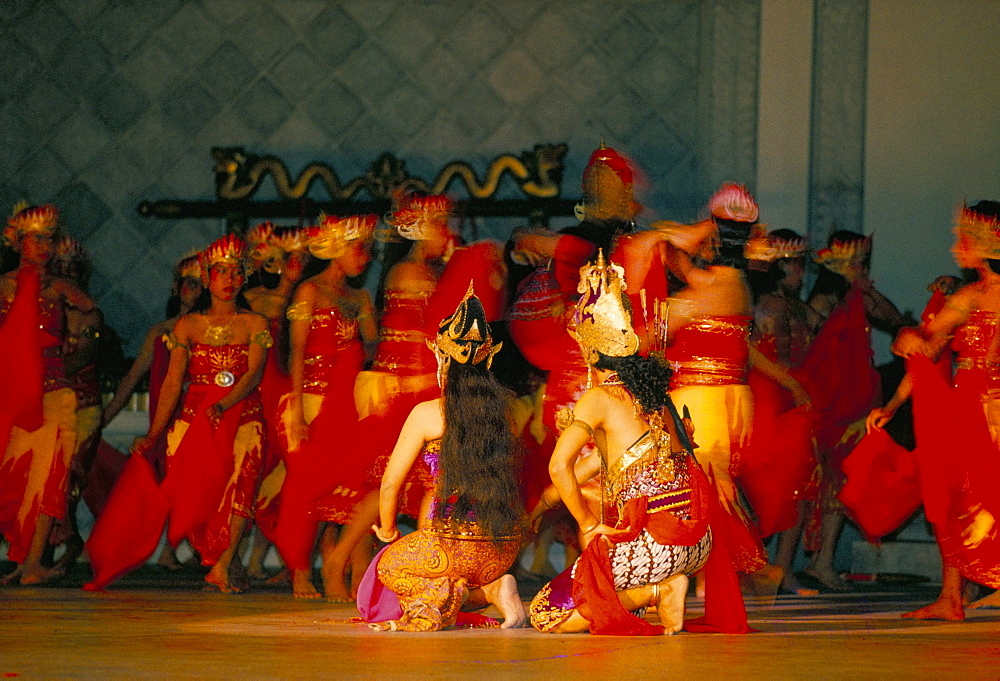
[
  {"x": 465, "y": 335},
  {"x": 844, "y": 257},
  {"x": 263, "y": 251},
  {"x": 733, "y": 202},
  {"x": 68, "y": 249},
  {"x": 982, "y": 230},
  {"x": 601, "y": 322},
  {"x": 227, "y": 249},
  {"x": 417, "y": 216},
  {"x": 329, "y": 239},
  {"x": 788, "y": 248},
  {"x": 24, "y": 220},
  {"x": 189, "y": 266},
  {"x": 292, "y": 241}
]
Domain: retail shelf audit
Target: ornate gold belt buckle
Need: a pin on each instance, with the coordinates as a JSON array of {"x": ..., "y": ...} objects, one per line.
[{"x": 224, "y": 379}]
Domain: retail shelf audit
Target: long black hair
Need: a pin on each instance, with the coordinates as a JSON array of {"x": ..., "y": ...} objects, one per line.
[
  {"x": 480, "y": 454},
  {"x": 733, "y": 237}
]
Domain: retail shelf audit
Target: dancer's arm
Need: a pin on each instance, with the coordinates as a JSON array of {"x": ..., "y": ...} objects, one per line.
[
  {"x": 299, "y": 320},
  {"x": 170, "y": 392},
  {"x": 141, "y": 365}
]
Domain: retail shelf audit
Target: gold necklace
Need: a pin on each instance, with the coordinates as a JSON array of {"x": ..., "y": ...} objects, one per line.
[{"x": 220, "y": 335}]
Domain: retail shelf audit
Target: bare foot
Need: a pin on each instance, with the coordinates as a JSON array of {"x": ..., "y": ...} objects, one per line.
[
  {"x": 40, "y": 575},
  {"x": 283, "y": 577},
  {"x": 74, "y": 547},
  {"x": 766, "y": 581},
  {"x": 218, "y": 578},
  {"x": 238, "y": 575},
  {"x": 257, "y": 573},
  {"x": 334, "y": 584},
  {"x": 829, "y": 579},
  {"x": 991, "y": 601},
  {"x": 941, "y": 609},
  {"x": 13, "y": 577},
  {"x": 669, "y": 604},
  {"x": 503, "y": 594},
  {"x": 168, "y": 560},
  {"x": 789, "y": 584},
  {"x": 302, "y": 585}
]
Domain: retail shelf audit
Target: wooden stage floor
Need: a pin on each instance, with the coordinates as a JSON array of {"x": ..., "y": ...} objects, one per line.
[{"x": 155, "y": 625}]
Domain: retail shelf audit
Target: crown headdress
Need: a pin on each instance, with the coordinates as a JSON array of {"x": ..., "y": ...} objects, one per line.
[
  {"x": 465, "y": 336},
  {"x": 788, "y": 248},
  {"x": 263, "y": 250},
  {"x": 68, "y": 249},
  {"x": 329, "y": 239},
  {"x": 228, "y": 249},
  {"x": 733, "y": 202},
  {"x": 759, "y": 246},
  {"x": 417, "y": 215},
  {"x": 607, "y": 186},
  {"x": 844, "y": 256},
  {"x": 34, "y": 220},
  {"x": 602, "y": 323},
  {"x": 982, "y": 230},
  {"x": 292, "y": 240},
  {"x": 189, "y": 266}
]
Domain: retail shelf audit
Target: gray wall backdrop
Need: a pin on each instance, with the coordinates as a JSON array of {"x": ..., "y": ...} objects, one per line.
[{"x": 105, "y": 103}]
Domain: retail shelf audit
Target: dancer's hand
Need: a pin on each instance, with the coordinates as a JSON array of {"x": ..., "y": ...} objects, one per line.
[
  {"x": 141, "y": 445},
  {"x": 588, "y": 535},
  {"x": 214, "y": 414},
  {"x": 877, "y": 418},
  {"x": 386, "y": 537}
]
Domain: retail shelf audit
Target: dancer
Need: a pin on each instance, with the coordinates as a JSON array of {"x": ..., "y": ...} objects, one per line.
[
  {"x": 960, "y": 498},
  {"x": 652, "y": 529},
  {"x": 779, "y": 464},
  {"x": 851, "y": 305},
  {"x": 328, "y": 322},
  {"x": 214, "y": 449},
  {"x": 466, "y": 437},
  {"x": 37, "y": 421}
]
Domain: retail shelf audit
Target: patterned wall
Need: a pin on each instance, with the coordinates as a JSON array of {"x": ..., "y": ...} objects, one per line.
[{"x": 104, "y": 103}]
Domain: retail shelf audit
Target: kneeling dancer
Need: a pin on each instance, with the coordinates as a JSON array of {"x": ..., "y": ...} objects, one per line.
[
  {"x": 466, "y": 437},
  {"x": 654, "y": 525}
]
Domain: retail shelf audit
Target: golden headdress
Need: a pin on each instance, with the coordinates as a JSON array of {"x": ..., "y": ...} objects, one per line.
[
  {"x": 465, "y": 336},
  {"x": 983, "y": 231},
  {"x": 263, "y": 249},
  {"x": 417, "y": 216},
  {"x": 329, "y": 239},
  {"x": 607, "y": 187},
  {"x": 788, "y": 248},
  {"x": 733, "y": 202},
  {"x": 188, "y": 267},
  {"x": 227, "y": 249},
  {"x": 759, "y": 246},
  {"x": 31, "y": 220},
  {"x": 292, "y": 240},
  {"x": 602, "y": 322},
  {"x": 844, "y": 257}
]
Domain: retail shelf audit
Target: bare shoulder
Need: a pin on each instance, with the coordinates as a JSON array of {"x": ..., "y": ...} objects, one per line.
[
  {"x": 428, "y": 417},
  {"x": 409, "y": 273},
  {"x": 254, "y": 320}
]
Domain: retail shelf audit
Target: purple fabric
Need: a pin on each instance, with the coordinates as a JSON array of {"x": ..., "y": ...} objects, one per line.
[{"x": 375, "y": 602}]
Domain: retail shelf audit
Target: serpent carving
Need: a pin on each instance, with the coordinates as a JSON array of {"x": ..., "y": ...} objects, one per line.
[{"x": 239, "y": 175}]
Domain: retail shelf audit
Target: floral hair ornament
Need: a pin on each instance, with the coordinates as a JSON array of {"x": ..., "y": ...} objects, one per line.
[
  {"x": 601, "y": 322},
  {"x": 844, "y": 257},
  {"x": 464, "y": 337},
  {"x": 982, "y": 230},
  {"x": 417, "y": 216},
  {"x": 263, "y": 251},
  {"x": 329, "y": 239},
  {"x": 228, "y": 249},
  {"x": 30, "y": 220}
]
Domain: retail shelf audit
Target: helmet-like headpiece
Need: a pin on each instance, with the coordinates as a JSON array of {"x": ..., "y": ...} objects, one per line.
[
  {"x": 607, "y": 186},
  {"x": 465, "y": 336},
  {"x": 733, "y": 202},
  {"x": 982, "y": 230},
  {"x": 227, "y": 249},
  {"x": 844, "y": 257},
  {"x": 34, "y": 220},
  {"x": 602, "y": 322},
  {"x": 417, "y": 216},
  {"x": 263, "y": 250},
  {"x": 330, "y": 238}
]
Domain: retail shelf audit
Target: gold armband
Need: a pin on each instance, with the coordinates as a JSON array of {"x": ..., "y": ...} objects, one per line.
[
  {"x": 299, "y": 312},
  {"x": 263, "y": 339},
  {"x": 170, "y": 340}
]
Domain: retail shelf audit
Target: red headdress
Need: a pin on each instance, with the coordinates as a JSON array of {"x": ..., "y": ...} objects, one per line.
[{"x": 417, "y": 215}]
